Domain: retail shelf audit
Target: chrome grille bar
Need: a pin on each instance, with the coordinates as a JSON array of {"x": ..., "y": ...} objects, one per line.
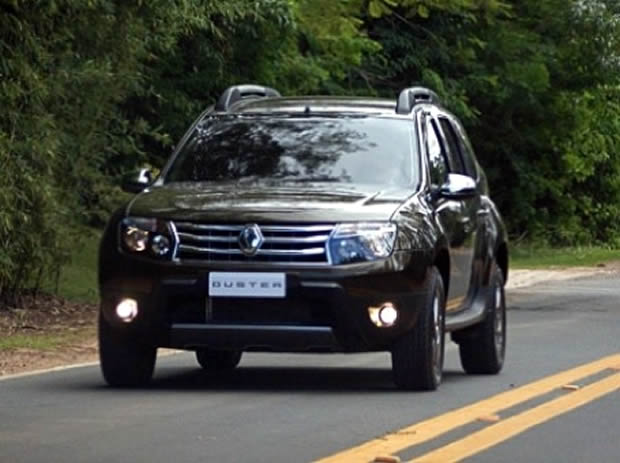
[
  {"x": 295, "y": 229},
  {"x": 269, "y": 239},
  {"x": 196, "y": 226},
  {"x": 197, "y": 250},
  {"x": 283, "y": 244},
  {"x": 220, "y": 239},
  {"x": 260, "y": 252},
  {"x": 265, "y": 228},
  {"x": 291, "y": 252},
  {"x": 296, "y": 239}
]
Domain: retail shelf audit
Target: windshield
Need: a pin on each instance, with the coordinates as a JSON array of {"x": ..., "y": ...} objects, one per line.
[{"x": 355, "y": 150}]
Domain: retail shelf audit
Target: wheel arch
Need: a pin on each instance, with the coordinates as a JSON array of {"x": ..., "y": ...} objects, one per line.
[
  {"x": 501, "y": 257},
  {"x": 442, "y": 262}
]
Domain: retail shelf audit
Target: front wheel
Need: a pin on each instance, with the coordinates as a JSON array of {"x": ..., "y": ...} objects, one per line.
[
  {"x": 125, "y": 362},
  {"x": 417, "y": 358},
  {"x": 483, "y": 351}
]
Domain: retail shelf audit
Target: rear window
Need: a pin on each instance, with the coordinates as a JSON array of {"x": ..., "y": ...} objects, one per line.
[{"x": 362, "y": 150}]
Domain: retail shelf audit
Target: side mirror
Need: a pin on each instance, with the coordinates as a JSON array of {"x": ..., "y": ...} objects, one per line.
[
  {"x": 137, "y": 181},
  {"x": 458, "y": 187}
]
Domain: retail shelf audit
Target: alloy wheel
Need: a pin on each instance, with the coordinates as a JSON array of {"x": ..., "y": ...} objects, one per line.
[
  {"x": 437, "y": 339},
  {"x": 500, "y": 315}
]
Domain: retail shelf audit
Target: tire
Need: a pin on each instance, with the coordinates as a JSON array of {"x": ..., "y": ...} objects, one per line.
[
  {"x": 124, "y": 361},
  {"x": 218, "y": 360},
  {"x": 417, "y": 358},
  {"x": 483, "y": 350}
]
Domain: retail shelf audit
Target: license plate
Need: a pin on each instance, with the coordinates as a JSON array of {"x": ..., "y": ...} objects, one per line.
[{"x": 247, "y": 284}]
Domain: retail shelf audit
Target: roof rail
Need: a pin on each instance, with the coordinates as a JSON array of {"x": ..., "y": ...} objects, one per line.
[
  {"x": 239, "y": 92},
  {"x": 412, "y": 96}
]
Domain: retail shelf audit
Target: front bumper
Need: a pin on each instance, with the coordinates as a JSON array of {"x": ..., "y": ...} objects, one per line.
[
  {"x": 325, "y": 310},
  {"x": 279, "y": 338}
]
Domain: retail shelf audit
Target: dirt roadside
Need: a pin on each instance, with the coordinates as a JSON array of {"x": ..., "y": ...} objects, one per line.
[
  {"x": 45, "y": 333},
  {"x": 59, "y": 333}
]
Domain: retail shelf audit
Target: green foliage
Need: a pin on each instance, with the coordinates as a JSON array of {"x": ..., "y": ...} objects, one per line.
[
  {"x": 332, "y": 39},
  {"x": 592, "y": 157},
  {"x": 536, "y": 83},
  {"x": 79, "y": 89},
  {"x": 78, "y": 278},
  {"x": 91, "y": 89}
]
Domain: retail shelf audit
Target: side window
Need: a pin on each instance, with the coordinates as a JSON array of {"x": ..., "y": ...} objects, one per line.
[
  {"x": 454, "y": 152},
  {"x": 437, "y": 162},
  {"x": 467, "y": 152}
]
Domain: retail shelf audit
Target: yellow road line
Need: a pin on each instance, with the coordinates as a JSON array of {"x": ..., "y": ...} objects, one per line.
[
  {"x": 504, "y": 430},
  {"x": 436, "y": 426}
]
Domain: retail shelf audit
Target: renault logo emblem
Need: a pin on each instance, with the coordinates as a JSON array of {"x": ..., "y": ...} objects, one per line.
[{"x": 250, "y": 240}]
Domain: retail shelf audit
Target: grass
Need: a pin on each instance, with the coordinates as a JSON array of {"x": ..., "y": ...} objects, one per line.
[
  {"x": 78, "y": 279},
  {"x": 40, "y": 341},
  {"x": 536, "y": 257}
]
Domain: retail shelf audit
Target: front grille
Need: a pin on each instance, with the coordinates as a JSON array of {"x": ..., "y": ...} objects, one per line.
[{"x": 286, "y": 244}]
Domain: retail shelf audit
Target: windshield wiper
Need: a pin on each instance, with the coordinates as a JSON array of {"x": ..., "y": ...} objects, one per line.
[{"x": 325, "y": 178}]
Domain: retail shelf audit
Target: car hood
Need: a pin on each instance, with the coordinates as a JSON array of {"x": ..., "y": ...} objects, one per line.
[{"x": 237, "y": 203}]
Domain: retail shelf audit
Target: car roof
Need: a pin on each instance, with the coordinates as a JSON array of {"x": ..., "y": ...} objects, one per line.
[{"x": 322, "y": 105}]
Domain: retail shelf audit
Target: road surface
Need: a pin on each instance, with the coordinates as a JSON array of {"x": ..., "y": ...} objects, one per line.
[{"x": 557, "y": 400}]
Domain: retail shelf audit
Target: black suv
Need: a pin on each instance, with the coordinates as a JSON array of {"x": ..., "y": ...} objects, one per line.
[{"x": 308, "y": 224}]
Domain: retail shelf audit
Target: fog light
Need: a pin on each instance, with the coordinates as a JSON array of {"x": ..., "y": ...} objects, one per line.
[
  {"x": 388, "y": 314},
  {"x": 383, "y": 316},
  {"x": 127, "y": 310}
]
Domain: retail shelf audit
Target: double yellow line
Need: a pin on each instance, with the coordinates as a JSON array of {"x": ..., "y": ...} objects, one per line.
[{"x": 492, "y": 435}]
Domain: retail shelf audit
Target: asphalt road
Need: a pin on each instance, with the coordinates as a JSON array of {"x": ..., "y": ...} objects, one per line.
[{"x": 301, "y": 408}]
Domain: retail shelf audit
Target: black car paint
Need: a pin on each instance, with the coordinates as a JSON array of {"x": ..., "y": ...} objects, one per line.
[{"x": 461, "y": 236}]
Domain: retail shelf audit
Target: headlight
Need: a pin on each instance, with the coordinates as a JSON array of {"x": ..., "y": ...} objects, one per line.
[
  {"x": 160, "y": 245},
  {"x": 361, "y": 242},
  {"x": 139, "y": 235}
]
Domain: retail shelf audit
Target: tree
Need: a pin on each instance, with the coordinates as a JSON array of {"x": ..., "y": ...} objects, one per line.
[{"x": 524, "y": 77}]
